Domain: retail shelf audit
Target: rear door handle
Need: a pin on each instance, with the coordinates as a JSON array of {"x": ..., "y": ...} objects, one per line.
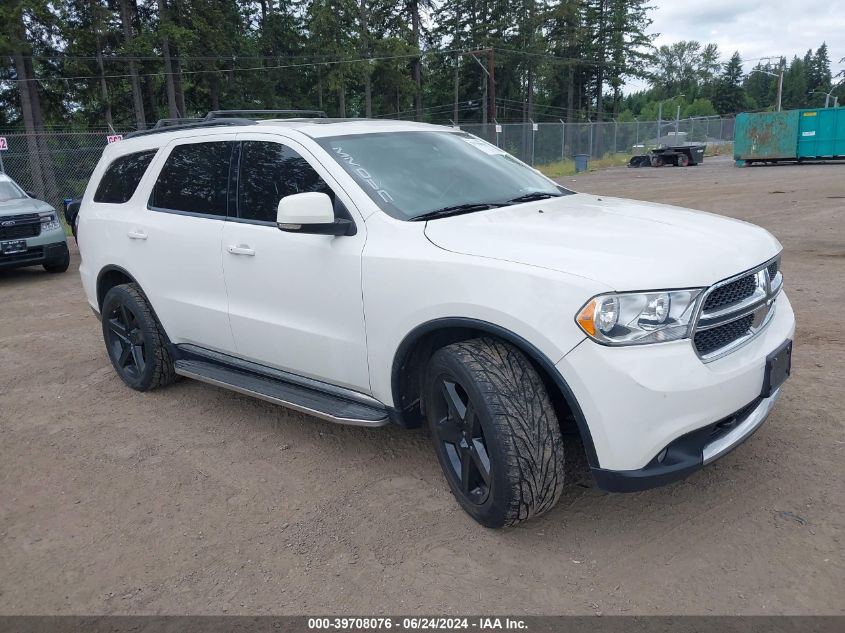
[
  {"x": 241, "y": 249},
  {"x": 137, "y": 235}
]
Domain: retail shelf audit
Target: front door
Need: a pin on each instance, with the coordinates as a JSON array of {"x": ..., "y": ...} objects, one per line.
[{"x": 294, "y": 300}]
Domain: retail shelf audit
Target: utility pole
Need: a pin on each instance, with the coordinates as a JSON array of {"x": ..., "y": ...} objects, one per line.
[
  {"x": 778, "y": 75},
  {"x": 490, "y": 87},
  {"x": 457, "y": 85},
  {"x": 457, "y": 62}
]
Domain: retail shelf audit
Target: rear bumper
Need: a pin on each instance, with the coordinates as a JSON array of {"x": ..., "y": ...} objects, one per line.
[
  {"x": 690, "y": 452},
  {"x": 36, "y": 256}
]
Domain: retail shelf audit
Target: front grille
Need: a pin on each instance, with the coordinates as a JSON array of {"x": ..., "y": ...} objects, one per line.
[
  {"x": 708, "y": 341},
  {"x": 730, "y": 293},
  {"x": 20, "y": 226},
  {"x": 773, "y": 269}
]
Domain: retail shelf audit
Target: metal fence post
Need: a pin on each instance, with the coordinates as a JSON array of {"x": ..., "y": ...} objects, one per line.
[
  {"x": 562, "y": 140},
  {"x": 591, "y": 124},
  {"x": 615, "y": 130}
]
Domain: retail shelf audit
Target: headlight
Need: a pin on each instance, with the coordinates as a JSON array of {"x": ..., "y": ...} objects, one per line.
[
  {"x": 49, "y": 221},
  {"x": 636, "y": 318}
]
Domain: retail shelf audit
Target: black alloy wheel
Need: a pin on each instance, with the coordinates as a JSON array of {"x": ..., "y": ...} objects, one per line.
[
  {"x": 125, "y": 341},
  {"x": 135, "y": 341},
  {"x": 494, "y": 430},
  {"x": 461, "y": 441}
]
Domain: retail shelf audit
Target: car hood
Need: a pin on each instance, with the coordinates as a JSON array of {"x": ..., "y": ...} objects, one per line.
[
  {"x": 626, "y": 244},
  {"x": 26, "y": 205}
]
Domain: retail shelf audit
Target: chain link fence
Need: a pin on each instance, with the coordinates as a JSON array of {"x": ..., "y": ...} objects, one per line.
[
  {"x": 544, "y": 143},
  {"x": 56, "y": 165},
  {"x": 52, "y": 165}
]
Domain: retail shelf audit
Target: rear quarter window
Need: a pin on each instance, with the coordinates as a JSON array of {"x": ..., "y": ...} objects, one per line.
[{"x": 121, "y": 178}]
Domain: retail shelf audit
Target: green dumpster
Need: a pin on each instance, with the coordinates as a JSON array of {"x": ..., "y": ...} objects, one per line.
[
  {"x": 766, "y": 136},
  {"x": 822, "y": 133},
  {"x": 791, "y": 135}
]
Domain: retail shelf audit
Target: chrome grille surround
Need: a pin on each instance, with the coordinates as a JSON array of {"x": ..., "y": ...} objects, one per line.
[{"x": 760, "y": 305}]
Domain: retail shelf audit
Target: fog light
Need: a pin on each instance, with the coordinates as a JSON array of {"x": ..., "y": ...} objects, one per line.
[{"x": 662, "y": 455}]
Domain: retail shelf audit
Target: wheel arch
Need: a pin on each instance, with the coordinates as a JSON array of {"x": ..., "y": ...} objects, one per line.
[
  {"x": 419, "y": 345},
  {"x": 109, "y": 277}
]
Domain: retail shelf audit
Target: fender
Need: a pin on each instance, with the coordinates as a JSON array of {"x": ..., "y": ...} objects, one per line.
[
  {"x": 108, "y": 269},
  {"x": 517, "y": 341}
]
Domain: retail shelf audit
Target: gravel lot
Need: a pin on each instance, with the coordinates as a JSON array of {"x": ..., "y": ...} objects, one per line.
[{"x": 197, "y": 500}]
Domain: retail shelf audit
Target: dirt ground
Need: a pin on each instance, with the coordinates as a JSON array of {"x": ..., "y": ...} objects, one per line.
[{"x": 197, "y": 500}]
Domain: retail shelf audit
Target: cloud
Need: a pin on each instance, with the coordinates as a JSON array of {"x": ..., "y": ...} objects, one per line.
[{"x": 755, "y": 28}]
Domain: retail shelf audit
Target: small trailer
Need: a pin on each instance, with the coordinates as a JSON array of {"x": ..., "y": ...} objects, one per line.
[{"x": 679, "y": 155}]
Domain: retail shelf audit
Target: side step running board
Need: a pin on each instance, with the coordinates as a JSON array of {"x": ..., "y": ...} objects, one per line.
[{"x": 296, "y": 397}]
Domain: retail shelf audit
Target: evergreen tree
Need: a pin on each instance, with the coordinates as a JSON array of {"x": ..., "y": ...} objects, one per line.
[{"x": 729, "y": 97}]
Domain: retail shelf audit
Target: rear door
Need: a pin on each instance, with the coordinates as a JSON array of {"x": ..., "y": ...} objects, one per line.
[
  {"x": 174, "y": 240},
  {"x": 294, "y": 299}
]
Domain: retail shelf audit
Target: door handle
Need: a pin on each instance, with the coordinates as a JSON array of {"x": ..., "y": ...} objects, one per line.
[
  {"x": 241, "y": 249},
  {"x": 137, "y": 235}
]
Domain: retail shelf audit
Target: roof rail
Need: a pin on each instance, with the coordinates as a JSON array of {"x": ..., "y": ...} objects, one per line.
[
  {"x": 171, "y": 122},
  {"x": 200, "y": 123},
  {"x": 249, "y": 114},
  {"x": 222, "y": 117}
]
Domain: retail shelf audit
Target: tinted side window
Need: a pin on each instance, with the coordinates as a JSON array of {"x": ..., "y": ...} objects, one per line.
[
  {"x": 268, "y": 173},
  {"x": 120, "y": 180},
  {"x": 195, "y": 179}
]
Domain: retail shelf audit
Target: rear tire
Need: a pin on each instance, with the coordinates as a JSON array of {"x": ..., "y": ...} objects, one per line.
[
  {"x": 135, "y": 342},
  {"x": 495, "y": 431}
]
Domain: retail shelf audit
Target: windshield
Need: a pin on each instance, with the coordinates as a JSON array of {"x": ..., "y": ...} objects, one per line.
[
  {"x": 10, "y": 191},
  {"x": 413, "y": 174}
]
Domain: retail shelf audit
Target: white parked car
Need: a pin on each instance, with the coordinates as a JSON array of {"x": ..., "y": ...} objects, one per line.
[{"x": 368, "y": 272}]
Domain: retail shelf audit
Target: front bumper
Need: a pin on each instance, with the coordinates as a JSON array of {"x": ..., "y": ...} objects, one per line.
[
  {"x": 36, "y": 255},
  {"x": 691, "y": 451},
  {"x": 639, "y": 401}
]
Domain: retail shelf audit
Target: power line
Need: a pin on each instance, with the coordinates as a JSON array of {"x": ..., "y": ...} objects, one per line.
[{"x": 249, "y": 69}]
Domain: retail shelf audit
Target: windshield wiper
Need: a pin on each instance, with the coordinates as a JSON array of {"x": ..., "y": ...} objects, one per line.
[
  {"x": 534, "y": 195},
  {"x": 455, "y": 209}
]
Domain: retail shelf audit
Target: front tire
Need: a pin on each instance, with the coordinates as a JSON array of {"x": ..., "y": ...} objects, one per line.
[
  {"x": 59, "y": 266},
  {"x": 134, "y": 340},
  {"x": 495, "y": 431}
]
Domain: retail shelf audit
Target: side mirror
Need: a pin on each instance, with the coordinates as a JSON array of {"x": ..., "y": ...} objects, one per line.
[
  {"x": 310, "y": 212},
  {"x": 31, "y": 194}
]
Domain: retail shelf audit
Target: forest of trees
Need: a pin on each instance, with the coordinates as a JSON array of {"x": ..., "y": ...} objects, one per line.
[{"x": 127, "y": 63}]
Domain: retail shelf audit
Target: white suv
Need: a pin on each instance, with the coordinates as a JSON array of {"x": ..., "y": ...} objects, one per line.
[{"x": 368, "y": 272}]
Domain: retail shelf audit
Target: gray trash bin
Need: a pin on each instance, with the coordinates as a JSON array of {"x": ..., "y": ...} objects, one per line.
[{"x": 581, "y": 161}]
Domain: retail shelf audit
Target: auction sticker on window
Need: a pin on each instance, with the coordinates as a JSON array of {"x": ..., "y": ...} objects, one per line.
[{"x": 484, "y": 146}]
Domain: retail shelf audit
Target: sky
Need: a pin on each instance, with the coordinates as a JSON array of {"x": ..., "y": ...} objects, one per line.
[{"x": 755, "y": 28}]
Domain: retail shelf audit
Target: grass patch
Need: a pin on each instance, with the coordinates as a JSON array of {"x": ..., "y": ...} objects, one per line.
[
  {"x": 561, "y": 168},
  {"x": 720, "y": 149}
]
